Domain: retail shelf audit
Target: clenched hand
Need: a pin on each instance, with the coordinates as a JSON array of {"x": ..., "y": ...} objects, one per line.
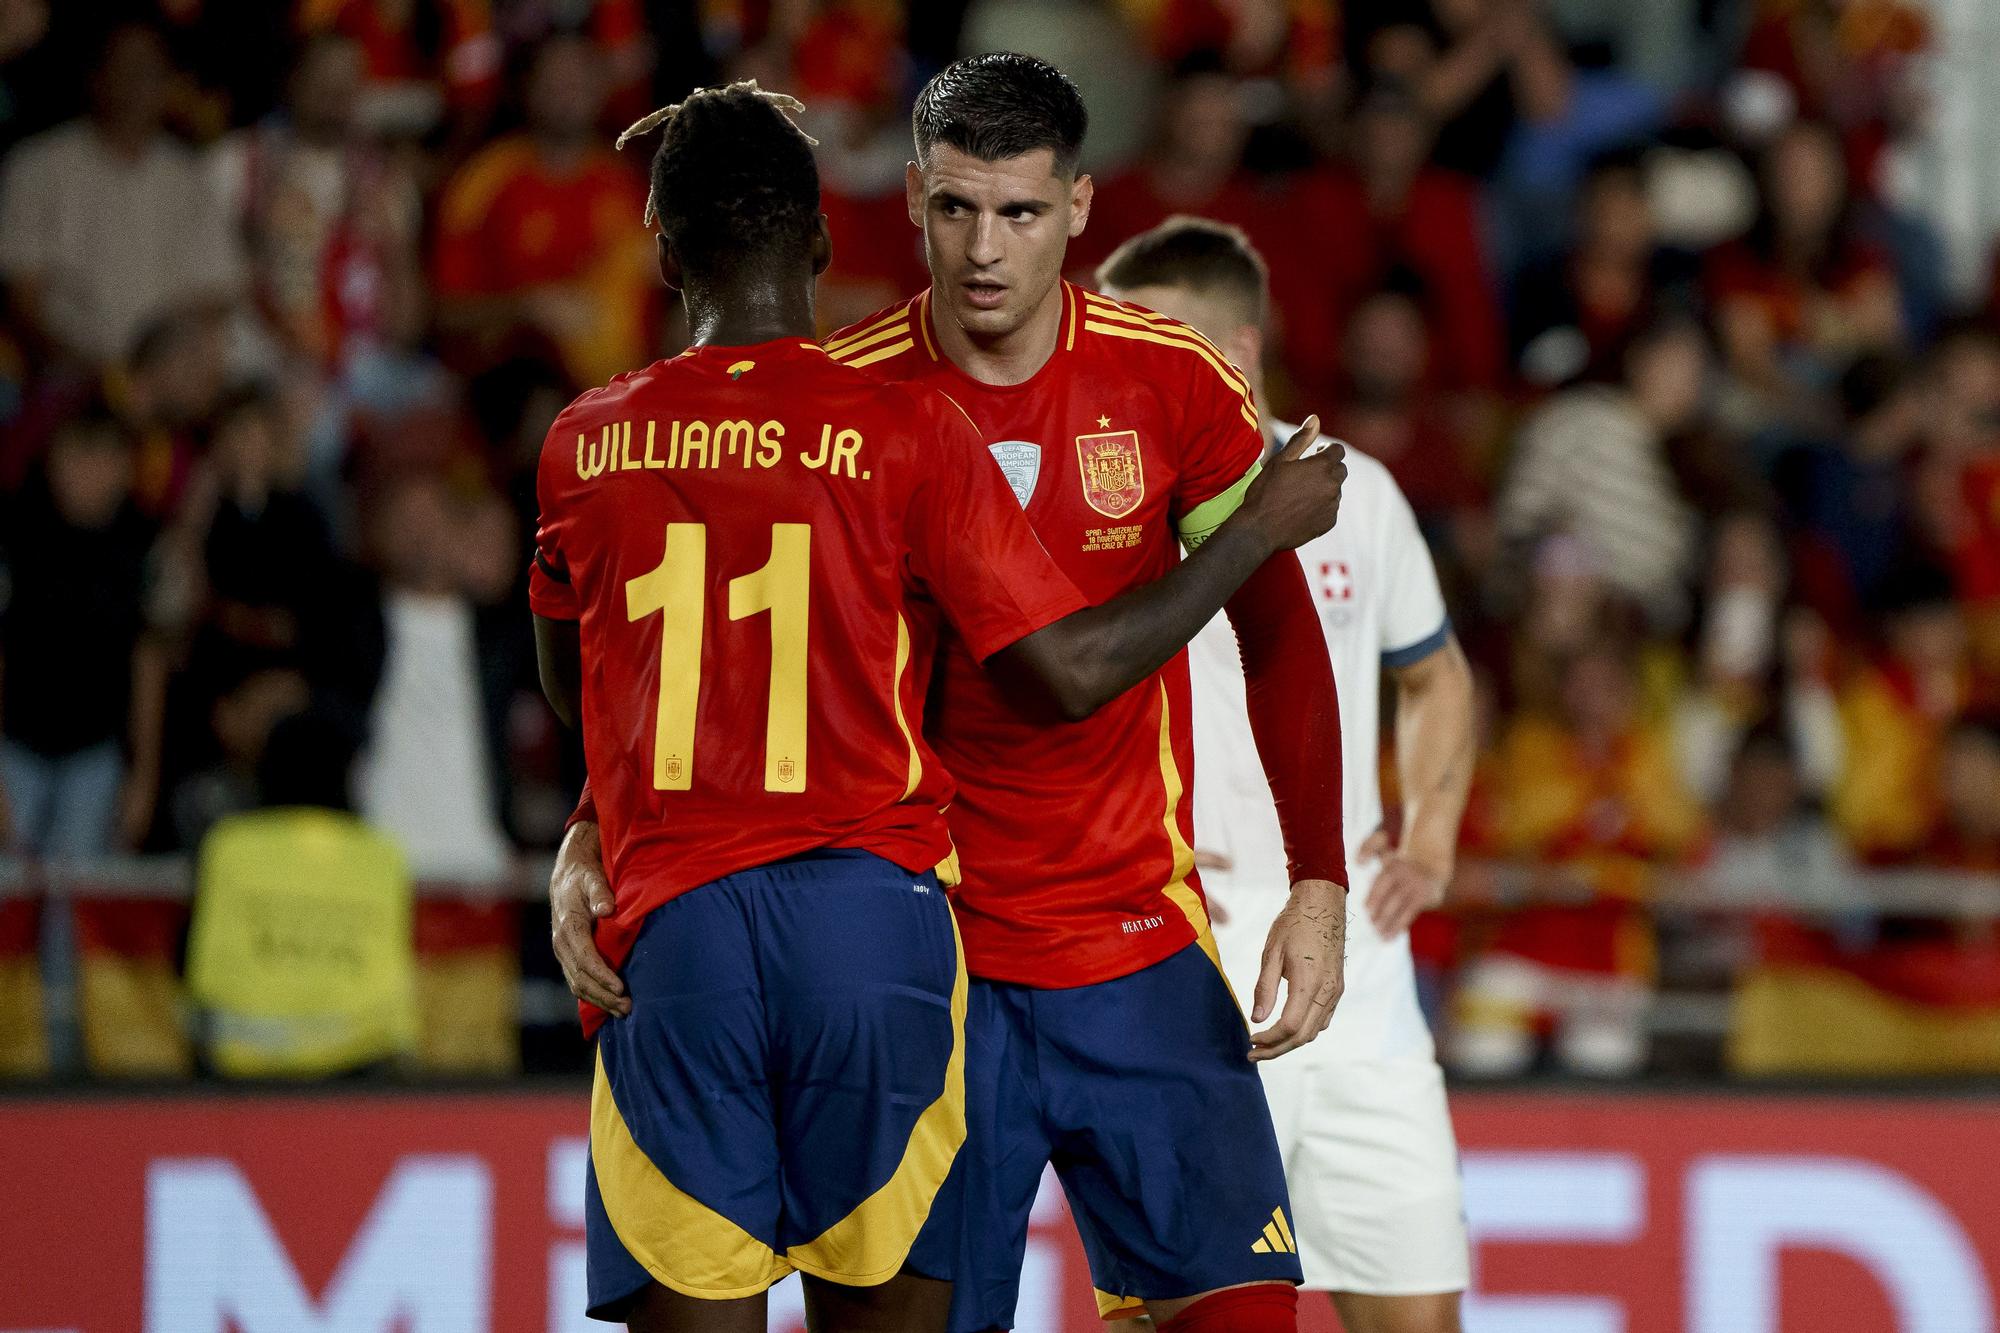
[{"x": 1307, "y": 949}]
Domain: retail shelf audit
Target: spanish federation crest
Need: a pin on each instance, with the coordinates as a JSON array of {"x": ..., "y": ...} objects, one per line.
[
  {"x": 1021, "y": 463},
  {"x": 1114, "y": 475}
]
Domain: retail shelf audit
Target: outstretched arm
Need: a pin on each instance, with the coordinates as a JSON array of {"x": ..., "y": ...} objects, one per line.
[{"x": 1295, "y": 720}]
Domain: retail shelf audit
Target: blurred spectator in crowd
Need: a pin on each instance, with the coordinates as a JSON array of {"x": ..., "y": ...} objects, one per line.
[
  {"x": 1592, "y": 462},
  {"x": 1771, "y": 843},
  {"x": 1292, "y": 40},
  {"x": 1848, "y": 497},
  {"x": 426, "y": 60},
  {"x": 1804, "y": 292},
  {"x": 1847, "y": 62},
  {"x": 1194, "y": 165},
  {"x": 1967, "y": 834},
  {"x": 1957, "y": 487},
  {"x": 302, "y": 950},
  {"x": 267, "y": 555},
  {"x": 1592, "y": 787},
  {"x": 1393, "y": 208},
  {"x": 239, "y": 724},
  {"x": 330, "y": 224},
  {"x": 1574, "y": 314},
  {"x": 105, "y": 223},
  {"x": 82, "y": 681},
  {"x": 1384, "y": 406},
  {"x": 1895, "y": 710},
  {"x": 1477, "y": 67},
  {"x": 162, "y": 392},
  {"x": 851, "y": 69},
  {"x": 539, "y": 235},
  {"x": 23, "y": 25},
  {"x": 1748, "y": 669},
  {"x": 427, "y": 776}
]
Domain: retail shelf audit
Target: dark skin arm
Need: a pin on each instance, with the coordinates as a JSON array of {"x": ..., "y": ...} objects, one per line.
[
  {"x": 1087, "y": 659},
  {"x": 559, "y": 660},
  {"x": 1092, "y": 656}
]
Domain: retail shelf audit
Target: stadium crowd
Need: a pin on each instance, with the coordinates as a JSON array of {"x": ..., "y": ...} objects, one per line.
[{"x": 1707, "y": 452}]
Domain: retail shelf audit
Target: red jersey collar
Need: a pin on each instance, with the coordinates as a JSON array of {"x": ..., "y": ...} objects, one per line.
[{"x": 1070, "y": 319}]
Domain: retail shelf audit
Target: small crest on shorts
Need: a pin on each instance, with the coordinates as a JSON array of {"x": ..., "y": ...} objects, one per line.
[
  {"x": 1021, "y": 464},
  {"x": 1114, "y": 475}
]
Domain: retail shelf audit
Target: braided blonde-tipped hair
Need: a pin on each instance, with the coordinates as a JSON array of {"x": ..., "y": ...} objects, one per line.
[{"x": 787, "y": 104}]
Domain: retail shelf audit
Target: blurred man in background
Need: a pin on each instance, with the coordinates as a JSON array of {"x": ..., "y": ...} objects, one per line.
[
  {"x": 106, "y": 223},
  {"x": 1361, "y": 1115}
]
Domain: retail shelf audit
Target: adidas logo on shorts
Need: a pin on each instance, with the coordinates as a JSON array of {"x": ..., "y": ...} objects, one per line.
[{"x": 1277, "y": 1237}]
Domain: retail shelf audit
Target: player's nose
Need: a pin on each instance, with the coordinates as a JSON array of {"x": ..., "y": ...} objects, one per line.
[{"x": 983, "y": 244}]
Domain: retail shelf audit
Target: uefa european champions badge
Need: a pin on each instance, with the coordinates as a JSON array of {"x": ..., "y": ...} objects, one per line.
[{"x": 1021, "y": 463}]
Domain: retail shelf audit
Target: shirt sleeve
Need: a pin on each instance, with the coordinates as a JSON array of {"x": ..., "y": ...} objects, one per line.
[
  {"x": 1223, "y": 446},
  {"x": 1414, "y": 623},
  {"x": 971, "y": 547},
  {"x": 551, "y": 594}
]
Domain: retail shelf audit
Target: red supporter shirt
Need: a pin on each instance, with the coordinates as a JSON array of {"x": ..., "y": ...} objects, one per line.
[
  {"x": 757, "y": 543},
  {"x": 1075, "y": 839},
  {"x": 509, "y": 222}
]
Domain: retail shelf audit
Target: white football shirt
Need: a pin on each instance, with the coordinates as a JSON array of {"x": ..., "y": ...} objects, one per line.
[{"x": 1378, "y": 599}]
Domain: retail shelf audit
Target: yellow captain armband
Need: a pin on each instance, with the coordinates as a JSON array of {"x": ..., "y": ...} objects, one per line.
[{"x": 1198, "y": 524}]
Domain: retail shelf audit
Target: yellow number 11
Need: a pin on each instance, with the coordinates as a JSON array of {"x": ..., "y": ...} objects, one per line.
[{"x": 676, "y": 588}]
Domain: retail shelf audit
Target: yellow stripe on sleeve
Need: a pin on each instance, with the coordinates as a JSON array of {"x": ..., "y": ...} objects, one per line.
[
  {"x": 1219, "y": 365},
  {"x": 846, "y": 349},
  {"x": 879, "y": 354},
  {"x": 1111, "y": 310},
  {"x": 840, "y": 340}
]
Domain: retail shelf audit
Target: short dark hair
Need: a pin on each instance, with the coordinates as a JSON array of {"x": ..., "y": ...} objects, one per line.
[
  {"x": 1001, "y": 105},
  {"x": 308, "y": 759},
  {"x": 733, "y": 180},
  {"x": 1197, "y": 253}
]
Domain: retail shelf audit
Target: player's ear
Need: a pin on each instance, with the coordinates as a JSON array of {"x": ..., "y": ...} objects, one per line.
[
  {"x": 670, "y": 263},
  {"x": 1246, "y": 348},
  {"x": 1080, "y": 193},
  {"x": 822, "y": 245},
  {"x": 913, "y": 193}
]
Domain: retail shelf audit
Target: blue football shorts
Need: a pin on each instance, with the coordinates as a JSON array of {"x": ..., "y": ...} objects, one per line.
[{"x": 788, "y": 1092}]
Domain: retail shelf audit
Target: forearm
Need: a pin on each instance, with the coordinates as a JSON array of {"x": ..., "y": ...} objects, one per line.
[
  {"x": 559, "y": 663},
  {"x": 1093, "y": 656},
  {"x": 1434, "y": 755},
  {"x": 1294, "y": 715}
]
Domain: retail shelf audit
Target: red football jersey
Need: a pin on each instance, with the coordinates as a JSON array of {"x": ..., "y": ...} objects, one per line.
[
  {"x": 1075, "y": 839},
  {"x": 757, "y": 542}
]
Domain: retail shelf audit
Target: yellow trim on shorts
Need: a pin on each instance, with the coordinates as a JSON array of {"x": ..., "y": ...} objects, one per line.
[
  {"x": 1111, "y": 1307},
  {"x": 870, "y": 1244},
  {"x": 682, "y": 1243}
]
